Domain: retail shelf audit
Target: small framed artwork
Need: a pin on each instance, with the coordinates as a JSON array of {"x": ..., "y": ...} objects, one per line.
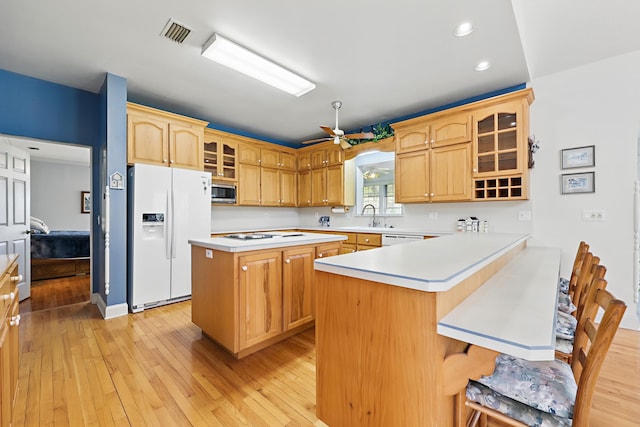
[
  {"x": 573, "y": 183},
  {"x": 579, "y": 157},
  {"x": 85, "y": 202}
]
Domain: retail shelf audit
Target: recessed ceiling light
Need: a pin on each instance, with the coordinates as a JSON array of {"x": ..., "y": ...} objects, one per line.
[
  {"x": 482, "y": 66},
  {"x": 463, "y": 29}
]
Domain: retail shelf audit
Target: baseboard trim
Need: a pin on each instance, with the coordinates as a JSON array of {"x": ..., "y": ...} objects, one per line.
[{"x": 109, "y": 311}]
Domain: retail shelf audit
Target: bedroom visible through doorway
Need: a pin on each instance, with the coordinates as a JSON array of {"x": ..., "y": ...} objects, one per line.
[{"x": 60, "y": 224}]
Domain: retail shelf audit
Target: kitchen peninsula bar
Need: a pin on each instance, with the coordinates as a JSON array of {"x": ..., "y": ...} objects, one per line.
[{"x": 399, "y": 330}]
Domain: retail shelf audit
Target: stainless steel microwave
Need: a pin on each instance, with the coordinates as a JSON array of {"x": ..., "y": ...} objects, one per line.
[{"x": 223, "y": 193}]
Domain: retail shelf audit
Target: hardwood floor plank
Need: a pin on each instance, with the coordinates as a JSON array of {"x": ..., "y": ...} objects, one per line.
[{"x": 155, "y": 368}]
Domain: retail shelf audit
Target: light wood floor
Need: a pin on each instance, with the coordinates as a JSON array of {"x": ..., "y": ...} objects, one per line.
[
  {"x": 53, "y": 293},
  {"x": 154, "y": 368}
]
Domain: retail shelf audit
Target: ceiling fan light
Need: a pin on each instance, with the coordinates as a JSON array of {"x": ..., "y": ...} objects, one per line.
[
  {"x": 464, "y": 29},
  {"x": 232, "y": 55}
]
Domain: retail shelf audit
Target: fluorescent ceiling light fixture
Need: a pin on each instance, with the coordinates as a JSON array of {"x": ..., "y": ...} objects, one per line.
[
  {"x": 482, "y": 66},
  {"x": 232, "y": 55},
  {"x": 463, "y": 29}
]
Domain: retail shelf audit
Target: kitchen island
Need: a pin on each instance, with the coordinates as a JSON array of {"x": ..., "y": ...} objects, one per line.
[
  {"x": 253, "y": 290},
  {"x": 400, "y": 330}
]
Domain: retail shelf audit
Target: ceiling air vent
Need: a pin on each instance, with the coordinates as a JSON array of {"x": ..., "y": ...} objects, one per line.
[{"x": 175, "y": 31}]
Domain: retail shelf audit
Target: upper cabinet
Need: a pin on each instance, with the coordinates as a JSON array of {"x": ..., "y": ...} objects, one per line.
[
  {"x": 220, "y": 156},
  {"x": 165, "y": 139},
  {"x": 500, "y": 149},
  {"x": 476, "y": 151}
]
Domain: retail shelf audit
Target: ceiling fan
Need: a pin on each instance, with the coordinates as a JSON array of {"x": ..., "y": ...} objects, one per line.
[{"x": 337, "y": 135}]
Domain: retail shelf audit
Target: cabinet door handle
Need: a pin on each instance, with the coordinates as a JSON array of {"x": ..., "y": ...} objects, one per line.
[
  {"x": 366, "y": 240},
  {"x": 245, "y": 268},
  {"x": 164, "y": 160},
  {"x": 15, "y": 320},
  {"x": 171, "y": 161},
  {"x": 426, "y": 141},
  {"x": 10, "y": 296},
  {"x": 17, "y": 278},
  {"x": 320, "y": 255},
  {"x": 475, "y": 170},
  {"x": 426, "y": 194},
  {"x": 433, "y": 194},
  {"x": 288, "y": 261}
]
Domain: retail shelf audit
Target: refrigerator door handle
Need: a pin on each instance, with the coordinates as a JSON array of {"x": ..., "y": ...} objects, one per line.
[
  {"x": 173, "y": 224},
  {"x": 168, "y": 226}
]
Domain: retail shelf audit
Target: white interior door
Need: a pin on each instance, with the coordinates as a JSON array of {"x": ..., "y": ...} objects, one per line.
[{"x": 15, "y": 211}]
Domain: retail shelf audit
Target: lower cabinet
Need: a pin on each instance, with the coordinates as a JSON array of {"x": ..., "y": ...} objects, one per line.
[
  {"x": 249, "y": 300},
  {"x": 297, "y": 285},
  {"x": 9, "y": 338},
  {"x": 260, "y": 297}
]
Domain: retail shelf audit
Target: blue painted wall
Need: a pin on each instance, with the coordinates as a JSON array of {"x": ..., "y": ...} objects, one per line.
[
  {"x": 35, "y": 108},
  {"x": 115, "y": 107}
]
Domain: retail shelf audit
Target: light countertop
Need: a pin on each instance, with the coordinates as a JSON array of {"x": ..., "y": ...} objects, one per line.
[
  {"x": 433, "y": 265},
  {"x": 279, "y": 240},
  {"x": 338, "y": 230},
  {"x": 513, "y": 312}
]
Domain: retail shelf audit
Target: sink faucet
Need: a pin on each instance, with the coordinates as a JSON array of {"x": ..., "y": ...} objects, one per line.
[{"x": 374, "y": 223}]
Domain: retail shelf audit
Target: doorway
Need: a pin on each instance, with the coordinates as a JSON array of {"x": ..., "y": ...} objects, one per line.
[{"x": 60, "y": 224}]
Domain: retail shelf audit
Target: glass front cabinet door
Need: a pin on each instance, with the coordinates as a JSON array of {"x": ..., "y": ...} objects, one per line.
[{"x": 500, "y": 152}]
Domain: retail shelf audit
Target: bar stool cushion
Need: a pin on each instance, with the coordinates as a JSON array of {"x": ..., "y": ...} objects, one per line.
[
  {"x": 565, "y": 326},
  {"x": 512, "y": 408},
  {"x": 563, "y": 285},
  {"x": 548, "y": 386},
  {"x": 564, "y": 303},
  {"x": 564, "y": 346}
]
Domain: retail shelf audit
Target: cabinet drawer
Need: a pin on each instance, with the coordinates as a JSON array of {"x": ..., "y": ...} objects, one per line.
[
  {"x": 348, "y": 248},
  {"x": 369, "y": 239},
  {"x": 351, "y": 238}
]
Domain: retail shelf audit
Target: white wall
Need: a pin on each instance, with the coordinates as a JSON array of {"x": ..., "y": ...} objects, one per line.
[
  {"x": 239, "y": 218},
  {"x": 55, "y": 194},
  {"x": 597, "y": 104}
]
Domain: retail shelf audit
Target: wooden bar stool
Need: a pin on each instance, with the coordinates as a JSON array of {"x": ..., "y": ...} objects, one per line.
[{"x": 550, "y": 393}]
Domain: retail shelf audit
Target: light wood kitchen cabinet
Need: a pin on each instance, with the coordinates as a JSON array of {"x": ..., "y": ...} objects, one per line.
[
  {"x": 304, "y": 188},
  {"x": 297, "y": 286},
  {"x": 368, "y": 241},
  {"x": 165, "y": 139},
  {"x": 249, "y": 154},
  {"x": 269, "y": 187},
  {"x": 450, "y": 173},
  {"x": 453, "y": 129},
  {"x": 412, "y": 138},
  {"x": 318, "y": 158},
  {"x": 437, "y": 175},
  {"x": 328, "y": 249},
  {"x": 249, "y": 176},
  {"x": 9, "y": 337},
  {"x": 288, "y": 188},
  {"x": 500, "y": 150},
  {"x": 304, "y": 160},
  {"x": 333, "y": 185},
  {"x": 220, "y": 156},
  {"x": 247, "y": 301},
  {"x": 319, "y": 187},
  {"x": 260, "y": 296},
  {"x": 267, "y": 177}
]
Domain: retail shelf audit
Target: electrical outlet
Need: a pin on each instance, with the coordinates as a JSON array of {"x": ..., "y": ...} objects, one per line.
[
  {"x": 524, "y": 216},
  {"x": 593, "y": 215}
]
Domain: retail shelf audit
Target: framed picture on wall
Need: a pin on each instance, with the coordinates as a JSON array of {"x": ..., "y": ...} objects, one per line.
[
  {"x": 85, "y": 202},
  {"x": 573, "y": 183},
  {"x": 579, "y": 157}
]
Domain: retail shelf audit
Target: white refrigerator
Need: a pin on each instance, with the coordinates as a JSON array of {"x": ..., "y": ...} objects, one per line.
[{"x": 167, "y": 207}]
